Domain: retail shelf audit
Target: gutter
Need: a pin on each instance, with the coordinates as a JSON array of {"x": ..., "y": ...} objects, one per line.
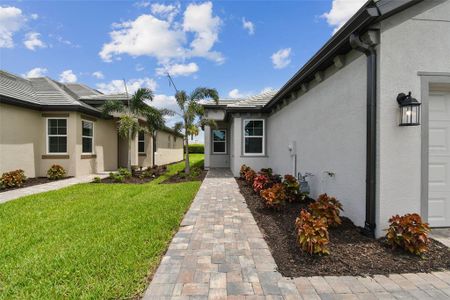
[{"x": 368, "y": 48}]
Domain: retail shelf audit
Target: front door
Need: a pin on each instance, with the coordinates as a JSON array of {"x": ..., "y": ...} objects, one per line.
[{"x": 439, "y": 157}]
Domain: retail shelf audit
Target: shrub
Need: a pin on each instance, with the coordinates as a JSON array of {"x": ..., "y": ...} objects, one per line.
[
  {"x": 250, "y": 176},
  {"x": 275, "y": 196},
  {"x": 196, "y": 148},
  {"x": 266, "y": 171},
  {"x": 408, "y": 232},
  {"x": 261, "y": 182},
  {"x": 124, "y": 172},
  {"x": 97, "y": 179},
  {"x": 312, "y": 233},
  {"x": 328, "y": 208},
  {"x": 56, "y": 172},
  {"x": 292, "y": 188},
  {"x": 119, "y": 178},
  {"x": 195, "y": 172},
  {"x": 12, "y": 179},
  {"x": 244, "y": 169}
]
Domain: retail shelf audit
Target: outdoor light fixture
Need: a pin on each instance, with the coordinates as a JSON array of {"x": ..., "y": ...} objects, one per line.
[{"x": 409, "y": 110}]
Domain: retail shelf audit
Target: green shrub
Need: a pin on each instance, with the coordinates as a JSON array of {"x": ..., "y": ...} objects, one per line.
[
  {"x": 124, "y": 172},
  {"x": 56, "y": 172},
  {"x": 12, "y": 179},
  {"x": 292, "y": 188},
  {"x": 408, "y": 232},
  {"x": 197, "y": 148},
  {"x": 327, "y": 207},
  {"x": 312, "y": 233},
  {"x": 195, "y": 172},
  {"x": 119, "y": 178},
  {"x": 97, "y": 180}
]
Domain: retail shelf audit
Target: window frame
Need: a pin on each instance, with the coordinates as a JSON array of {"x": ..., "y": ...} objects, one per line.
[
  {"x": 47, "y": 136},
  {"x": 225, "y": 141},
  {"x": 85, "y": 136},
  {"x": 263, "y": 137},
  {"x": 141, "y": 141}
]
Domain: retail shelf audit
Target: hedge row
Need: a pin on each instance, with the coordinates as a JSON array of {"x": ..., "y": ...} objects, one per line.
[{"x": 197, "y": 148}]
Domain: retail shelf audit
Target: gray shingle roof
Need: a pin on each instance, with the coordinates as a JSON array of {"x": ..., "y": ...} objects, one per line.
[
  {"x": 105, "y": 97},
  {"x": 81, "y": 90},
  {"x": 250, "y": 102},
  {"x": 17, "y": 87}
]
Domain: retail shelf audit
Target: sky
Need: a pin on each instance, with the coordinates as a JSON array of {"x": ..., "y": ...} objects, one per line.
[{"x": 240, "y": 48}]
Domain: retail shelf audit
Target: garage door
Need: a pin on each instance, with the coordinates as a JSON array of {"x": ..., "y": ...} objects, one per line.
[{"x": 439, "y": 159}]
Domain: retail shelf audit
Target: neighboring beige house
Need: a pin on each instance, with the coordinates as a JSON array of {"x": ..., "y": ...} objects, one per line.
[
  {"x": 45, "y": 122},
  {"x": 339, "y": 117}
]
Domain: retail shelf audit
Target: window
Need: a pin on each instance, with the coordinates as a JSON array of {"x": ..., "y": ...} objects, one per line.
[
  {"x": 87, "y": 135},
  {"x": 219, "y": 141},
  {"x": 56, "y": 135},
  {"x": 254, "y": 137},
  {"x": 141, "y": 142}
]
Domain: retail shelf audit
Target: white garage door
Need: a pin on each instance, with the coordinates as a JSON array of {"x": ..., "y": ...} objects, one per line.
[{"x": 439, "y": 159}]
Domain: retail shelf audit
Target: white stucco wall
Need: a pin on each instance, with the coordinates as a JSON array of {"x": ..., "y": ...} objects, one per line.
[
  {"x": 168, "y": 148},
  {"x": 219, "y": 160},
  {"x": 328, "y": 126},
  {"x": 415, "y": 40}
]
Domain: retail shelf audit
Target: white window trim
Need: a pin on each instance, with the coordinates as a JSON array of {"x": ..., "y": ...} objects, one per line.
[
  {"x": 139, "y": 142},
  {"x": 226, "y": 142},
  {"x": 85, "y": 136},
  {"x": 47, "y": 136},
  {"x": 263, "y": 153}
]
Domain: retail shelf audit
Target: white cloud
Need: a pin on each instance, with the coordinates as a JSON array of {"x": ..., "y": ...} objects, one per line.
[
  {"x": 267, "y": 89},
  {"x": 341, "y": 11},
  {"x": 33, "y": 41},
  {"x": 281, "y": 58},
  {"x": 139, "y": 67},
  {"x": 167, "y": 12},
  {"x": 36, "y": 72},
  {"x": 165, "y": 39},
  {"x": 198, "y": 18},
  {"x": 117, "y": 86},
  {"x": 235, "y": 93},
  {"x": 11, "y": 21},
  {"x": 249, "y": 26},
  {"x": 68, "y": 76},
  {"x": 34, "y": 16},
  {"x": 178, "y": 69},
  {"x": 98, "y": 75}
]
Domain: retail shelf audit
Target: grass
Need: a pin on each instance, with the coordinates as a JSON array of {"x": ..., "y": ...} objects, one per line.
[{"x": 96, "y": 241}]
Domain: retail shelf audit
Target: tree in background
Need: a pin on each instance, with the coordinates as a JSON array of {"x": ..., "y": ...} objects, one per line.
[
  {"x": 129, "y": 114},
  {"x": 192, "y": 113}
]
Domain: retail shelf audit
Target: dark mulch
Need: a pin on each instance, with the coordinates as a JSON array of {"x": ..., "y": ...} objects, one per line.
[
  {"x": 181, "y": 177},
  {"x": 351, "y": 252},
  {"x": 138, "y": 177},
  {"x": 31, "y": 182}
]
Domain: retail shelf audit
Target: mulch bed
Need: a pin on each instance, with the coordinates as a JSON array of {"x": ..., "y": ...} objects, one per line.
[
  {"x": 137, "y": 178},
  {"x": 181, "y": 177},
  {"x": 33, "y": 181},
  {"x": 351, "y": 252}
]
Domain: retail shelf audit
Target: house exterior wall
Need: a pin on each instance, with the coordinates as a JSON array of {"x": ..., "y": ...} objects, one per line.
[
  {"x": 415, "y": 40},
  {"x": 327, "y": 124},
  {"x": 146, "y": 159},
  {"x": 217, "y": 160},
  {"x": 168, "y": 148}
]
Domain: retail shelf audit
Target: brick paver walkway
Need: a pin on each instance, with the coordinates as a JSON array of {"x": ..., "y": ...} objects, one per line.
[
  {"x": 40, "y": 188},
  {"x": 219, "y": 253}
]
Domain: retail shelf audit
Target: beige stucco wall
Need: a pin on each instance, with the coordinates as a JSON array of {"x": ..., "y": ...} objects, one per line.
[
  {"x": 20, "y": 144},
  {"x": 146, "y": 159},
  {"x": 169, "y": 148}
]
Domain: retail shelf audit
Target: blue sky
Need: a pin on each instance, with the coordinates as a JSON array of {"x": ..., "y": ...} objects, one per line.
[{"x": 238, "y": 47}]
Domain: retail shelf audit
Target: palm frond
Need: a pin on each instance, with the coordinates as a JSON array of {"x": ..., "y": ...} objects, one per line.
[
  {"x": 154, "y": 119},
  {"x": 137, "y": 101},
  {"x": 181, "y": 97},
  {"x": 112, "y": 106},
  {"x": 128, "y": 126},
  {"x": 203, "y": 93},
  {"x": 178, "y": 127}
]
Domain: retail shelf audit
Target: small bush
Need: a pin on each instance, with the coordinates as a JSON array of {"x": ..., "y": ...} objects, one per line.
[
  {"x": 124, "y": 172},
  {"x": 197, "y": 148},
  {"x": 312, "y": 233},
  {"x": 244, "y": 169},
  {"x": 275, "y": 196},
  {"x": 408, "y": 232},
  {"x": 261, "y": 182},
  {"x": 56, "y": 172},
  {"x": 250, "y": 176},
  {"x": 195, "y": 172},
  {"x": 267, "y": 171},
  {"x": 97, "y": 179},
  {"x": 328, "y": 208},
  {"x": 119, "y": 178},
  {"x": 292, "y": 188},
  {"x": 12, "y": 179}
]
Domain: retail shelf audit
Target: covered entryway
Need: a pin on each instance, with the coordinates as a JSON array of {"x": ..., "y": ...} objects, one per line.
[{"x": 439, "y": 155}]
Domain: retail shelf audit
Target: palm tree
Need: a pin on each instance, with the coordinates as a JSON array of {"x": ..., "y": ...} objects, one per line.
[
  {"x": 192, "y": 111},
  {"x": 128, "y": 124}
]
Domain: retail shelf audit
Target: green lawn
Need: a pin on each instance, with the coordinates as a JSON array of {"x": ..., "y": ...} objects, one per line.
[{"x": 96, "y": 241}]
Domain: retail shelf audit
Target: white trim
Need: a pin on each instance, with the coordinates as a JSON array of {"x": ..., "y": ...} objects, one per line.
[
  {"x": 47, "y": 137},
  {"x": 89, "y": 137},
  {"x": 138, "y": 140},
  {"x": 225, "y": 149},
  {"x": 263, "y": 136}
]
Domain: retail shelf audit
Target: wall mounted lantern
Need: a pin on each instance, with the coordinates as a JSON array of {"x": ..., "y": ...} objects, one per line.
[{"x": 409, "y": 110}]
